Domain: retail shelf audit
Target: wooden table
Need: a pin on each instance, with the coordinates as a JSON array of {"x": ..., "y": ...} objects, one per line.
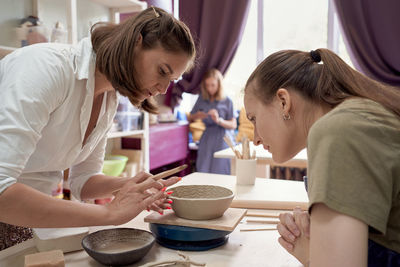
[
  {"x": 264, "y": 159},
  {"x": 254, "y": 248}
]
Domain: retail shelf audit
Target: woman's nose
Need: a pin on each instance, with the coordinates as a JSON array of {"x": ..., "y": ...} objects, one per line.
[
  {"x": 163, "y": 87},
  {"x": 257, "y": 139}
]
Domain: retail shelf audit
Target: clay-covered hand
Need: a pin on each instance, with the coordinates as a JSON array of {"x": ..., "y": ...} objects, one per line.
[
  {"x": 214, "y": 114},
  {"x": 294, "y": 229},
  {"x": 135, "y": 196}
]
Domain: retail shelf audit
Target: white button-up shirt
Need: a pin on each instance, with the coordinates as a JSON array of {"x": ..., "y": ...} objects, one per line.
[{"x": 46, "y": 98}]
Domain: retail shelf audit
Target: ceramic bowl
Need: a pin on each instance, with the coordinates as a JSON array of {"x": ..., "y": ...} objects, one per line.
[
  {"x": 118, "y": 246},
  {"x": 200, "y": 202},
  {"x": 114, "y": 165}
]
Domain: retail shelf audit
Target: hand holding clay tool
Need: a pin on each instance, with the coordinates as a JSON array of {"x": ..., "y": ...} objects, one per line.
[{"x": 163, "y": 174}]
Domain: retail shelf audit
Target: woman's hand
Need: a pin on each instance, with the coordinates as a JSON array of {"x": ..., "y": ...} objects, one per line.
[
  {"x": 294, "y": 229},
  {"x": 201, "y": 115},
  {"x": 165, "y": 203},
  {"x": 214, "y": 115},
  {"x": 138, "y": 194}
]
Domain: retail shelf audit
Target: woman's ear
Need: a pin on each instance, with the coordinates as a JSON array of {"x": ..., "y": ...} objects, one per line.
[
  {"x": 284, "y": 100},
  {"x": 139, "y": 40}
]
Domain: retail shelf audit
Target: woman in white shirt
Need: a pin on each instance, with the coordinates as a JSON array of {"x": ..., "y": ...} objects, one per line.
[{"x": 57, "y": 105}]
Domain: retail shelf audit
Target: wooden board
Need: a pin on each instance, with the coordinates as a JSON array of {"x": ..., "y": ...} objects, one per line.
[
  {"x": 227, "y": 222},
  {"x": 264, "y": 194}
]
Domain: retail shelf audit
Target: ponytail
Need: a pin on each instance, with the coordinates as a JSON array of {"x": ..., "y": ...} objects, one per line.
[{"x": 320, "y": 76}]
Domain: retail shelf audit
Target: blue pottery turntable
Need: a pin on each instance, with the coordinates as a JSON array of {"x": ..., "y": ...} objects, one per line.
[
  {"x": 188, "y": 238},
  {"x": 193, "y": 235}
]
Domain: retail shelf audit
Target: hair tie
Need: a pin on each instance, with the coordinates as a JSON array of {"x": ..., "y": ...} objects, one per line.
[
  {"x": 316, "y": 57},
  {"x": 155, "y": 12}
]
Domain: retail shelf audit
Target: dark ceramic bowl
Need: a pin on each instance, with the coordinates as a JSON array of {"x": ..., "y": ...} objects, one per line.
[{"x": 118, "y": 246}]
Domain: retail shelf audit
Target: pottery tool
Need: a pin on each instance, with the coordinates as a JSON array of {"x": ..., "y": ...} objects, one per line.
[
  {"x": 263, "y": 221},
  {"x": 163, "y": 174},
  {"x": 167, "y": 173},
  {"x": 253, "y": 155},
  {"x": 245, "y": 147},
  {"x": 262, "y": 215},
  {"x": 229, "y": 142},
  {"x": 257, "y": 229}
]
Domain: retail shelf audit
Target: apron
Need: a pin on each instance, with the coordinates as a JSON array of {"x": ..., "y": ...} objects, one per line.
[{"x": 11, "y": 235}]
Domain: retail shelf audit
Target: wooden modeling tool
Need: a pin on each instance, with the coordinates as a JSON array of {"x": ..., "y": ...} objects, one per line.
[
  {"x": 229, "y": 142},
  {"x": 245, "y": 147},
  {"x": 262, "y": 215},
  {"x": 263, "y": 221},
  {"x": 257, "y": 229},
  {"x": 163, "y": 174},
  {"x": 167, "y": 173}
]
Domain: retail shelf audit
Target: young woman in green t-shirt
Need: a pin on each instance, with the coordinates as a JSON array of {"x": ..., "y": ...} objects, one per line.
[{"x": 350, "y": 125}]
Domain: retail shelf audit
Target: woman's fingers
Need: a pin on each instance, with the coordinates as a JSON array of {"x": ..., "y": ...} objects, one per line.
[
  {"x": 302, "y": 219},
  {"x": 150, "y": 183},
  {"x": 170, "y": 181},
  {"x": 285, "y": 233},
  {"x": 148, "y": 201},
  {"x": 287, "y": 219},
  {"x": 140, "y": 177},
  {"x": 285, "y": 244}
]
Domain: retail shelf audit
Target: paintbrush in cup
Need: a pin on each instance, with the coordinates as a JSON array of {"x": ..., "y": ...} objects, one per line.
[
  {"x": 163, "y": 174},
  {"x": 229, "y": 143}
]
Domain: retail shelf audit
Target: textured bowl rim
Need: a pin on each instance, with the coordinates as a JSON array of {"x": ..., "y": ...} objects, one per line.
[
  {"x": 231, "y": 195},
  {"x": 119, "y": 253}
]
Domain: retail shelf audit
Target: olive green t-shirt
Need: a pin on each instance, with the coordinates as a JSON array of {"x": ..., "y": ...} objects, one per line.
[{"x": 354, "y": 166}]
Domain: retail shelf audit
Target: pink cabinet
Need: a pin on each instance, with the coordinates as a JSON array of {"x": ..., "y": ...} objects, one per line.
[{"x": 168, "y": 143}]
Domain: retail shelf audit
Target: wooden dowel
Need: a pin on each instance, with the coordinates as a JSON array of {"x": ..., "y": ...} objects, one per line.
[
  {"x": 257, "y": 229},
  {"x": 263, "y": 221},
  {"x": 262, "y": 215}
]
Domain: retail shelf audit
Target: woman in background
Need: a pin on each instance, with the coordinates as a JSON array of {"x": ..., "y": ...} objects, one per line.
[
  {"x": 57, "y": 103},
  {"x": 350, "y": 125},
  {"x": 216, "y": 111}
]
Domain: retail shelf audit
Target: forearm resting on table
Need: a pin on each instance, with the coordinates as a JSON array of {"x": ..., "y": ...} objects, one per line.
[
  {"x": 24, "y": 206},
  {"x": 101, "y": 186}
]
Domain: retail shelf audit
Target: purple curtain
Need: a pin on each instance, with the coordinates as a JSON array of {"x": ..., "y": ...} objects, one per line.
[
  {"x": 372, "y": 33},
  {"x": 217, "y": 27}
]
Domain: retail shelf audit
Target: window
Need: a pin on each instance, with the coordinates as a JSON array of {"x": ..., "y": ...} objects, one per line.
[{"x": 285, "y": 24}]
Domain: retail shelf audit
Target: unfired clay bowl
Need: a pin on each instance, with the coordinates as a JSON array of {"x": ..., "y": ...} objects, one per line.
[{"x": 200, "y": 202}]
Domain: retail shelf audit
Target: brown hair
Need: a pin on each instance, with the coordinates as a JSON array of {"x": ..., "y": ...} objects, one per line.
[
  {"x": 331, "y": 81},
  {"x": 214, "y": 73},
  {"x": 114, "y": 46}
]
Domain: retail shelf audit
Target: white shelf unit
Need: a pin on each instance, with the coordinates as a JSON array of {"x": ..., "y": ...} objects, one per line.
[
  {"x": 115, "y": 7},
  {"x": 144, "y": 142}
]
